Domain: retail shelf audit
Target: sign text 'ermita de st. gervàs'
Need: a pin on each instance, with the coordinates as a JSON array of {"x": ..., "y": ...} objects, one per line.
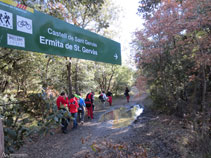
[{"x": 24, "y": 28}]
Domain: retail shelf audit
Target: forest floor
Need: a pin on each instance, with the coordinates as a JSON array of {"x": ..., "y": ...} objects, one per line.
[{"x": 150, "y": 136}]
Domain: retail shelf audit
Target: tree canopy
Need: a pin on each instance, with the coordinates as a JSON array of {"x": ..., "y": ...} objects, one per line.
[{"x": 173, "y": 54}]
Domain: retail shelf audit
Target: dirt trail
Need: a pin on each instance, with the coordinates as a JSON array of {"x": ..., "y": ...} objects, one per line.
[{"x": 150, "y": 136}]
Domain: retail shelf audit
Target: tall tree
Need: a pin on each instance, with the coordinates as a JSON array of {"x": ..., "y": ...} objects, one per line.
[{"x": 174, "y": 52}]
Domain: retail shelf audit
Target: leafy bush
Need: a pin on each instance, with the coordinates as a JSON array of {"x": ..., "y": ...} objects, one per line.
[{"x": 20, "y": 122}]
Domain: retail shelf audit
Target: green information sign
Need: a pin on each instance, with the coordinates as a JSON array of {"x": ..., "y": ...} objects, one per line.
[{"x": 27, "y": 29}]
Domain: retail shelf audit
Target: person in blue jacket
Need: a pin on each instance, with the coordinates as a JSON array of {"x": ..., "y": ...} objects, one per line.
[{"x": 81, "y": 109}]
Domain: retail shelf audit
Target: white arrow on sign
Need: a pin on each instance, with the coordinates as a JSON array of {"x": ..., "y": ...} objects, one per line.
[{"x": 116, "y": 56}]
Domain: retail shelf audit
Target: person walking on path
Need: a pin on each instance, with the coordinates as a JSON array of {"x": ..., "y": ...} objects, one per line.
[
  {"x": 73, "y": 108},
  {"x": 109, "y": 95},
  {"x": 61, "y": 103},
  {"x": 103, "y": 97},
  {"x": 89, "y": 104},
  {"x": 81, "y": 109},
  {"x": 127, "y": 94}
]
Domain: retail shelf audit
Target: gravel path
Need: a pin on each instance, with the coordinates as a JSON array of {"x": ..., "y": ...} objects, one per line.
[{"x": 149, "y": 136}]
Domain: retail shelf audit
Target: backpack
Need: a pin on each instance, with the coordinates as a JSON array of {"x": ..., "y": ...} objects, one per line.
[
  {"x": 101, "y": 96},
  {"x": 72, "y": 102},
  {"x": 81, "y": 102}
]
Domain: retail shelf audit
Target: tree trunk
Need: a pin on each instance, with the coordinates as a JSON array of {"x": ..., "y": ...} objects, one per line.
[
  {"x": 1, "y": 139},
  {"x": 203, "y": 100},
  {"x": 76, "y": 76},
  {"x": 5, "y": 83},
  {"x": 46, "y": 74},
  {"x": 69, "y": 76},
  {"x": 193, "y": 105},
  {"x": 109, "y": 82}
]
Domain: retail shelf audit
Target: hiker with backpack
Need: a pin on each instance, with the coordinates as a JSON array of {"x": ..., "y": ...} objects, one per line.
[
  {"x": 89, "y": 104},
  {"x": 73, "y": 108},
  {"x": 103, "y": 97},
  {"x": 81, "y": 109},
  {"x": 109, "y": 95}
]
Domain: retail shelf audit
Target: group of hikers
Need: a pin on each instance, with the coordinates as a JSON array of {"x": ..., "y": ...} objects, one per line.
[
  {"x": 106, "y": 97},
  {"x": 77, "y": 106}
]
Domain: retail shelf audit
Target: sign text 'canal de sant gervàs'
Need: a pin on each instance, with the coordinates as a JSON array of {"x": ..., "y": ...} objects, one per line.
[{"x": 24, "y": 28}]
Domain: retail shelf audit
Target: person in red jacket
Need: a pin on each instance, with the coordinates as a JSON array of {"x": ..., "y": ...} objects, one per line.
[
  {"x": 73, "y": 108},
  {"x": 109, "y": 95},
  {"x": 61, "y": 102},
  {"x": 127, "y": 94},
  {"x": 89, "y": 104}
]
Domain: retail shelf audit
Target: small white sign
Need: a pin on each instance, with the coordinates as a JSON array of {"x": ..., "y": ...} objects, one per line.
[
  {"x": 24, "y": 24},
  {"x": 6, "y": 19},
  {"x": 14, "y": 40}
]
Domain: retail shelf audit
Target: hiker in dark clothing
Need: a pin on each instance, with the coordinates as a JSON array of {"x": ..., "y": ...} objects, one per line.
[
  {"x": 90, "y": 104},
  {"x": 127, "y": 94},
  {"x": 109, "y": 95}
]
